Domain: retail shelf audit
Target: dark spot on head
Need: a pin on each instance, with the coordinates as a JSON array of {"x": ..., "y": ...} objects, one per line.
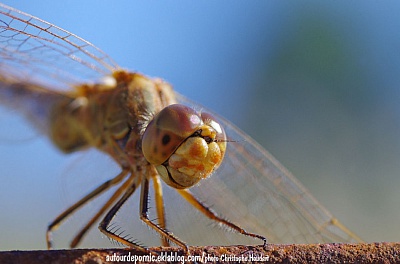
[
  {"x": 155, "y": 150},
  {"x": 166, "y": 139}
]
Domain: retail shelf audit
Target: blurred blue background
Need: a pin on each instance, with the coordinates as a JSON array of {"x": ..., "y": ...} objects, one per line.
[{"x": 315, "y": 82}]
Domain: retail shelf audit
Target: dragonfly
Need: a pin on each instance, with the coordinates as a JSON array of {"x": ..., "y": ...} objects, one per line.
[{"x": 75, "y": 94}]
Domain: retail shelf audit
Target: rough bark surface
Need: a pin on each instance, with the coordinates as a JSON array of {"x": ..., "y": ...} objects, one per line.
[{"x": 296, "y": 253}]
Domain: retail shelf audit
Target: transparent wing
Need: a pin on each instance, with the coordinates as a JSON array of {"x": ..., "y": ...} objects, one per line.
[
  {"x": 42, "y": 56},
  {"x": 39, "y": 52},
  {"x": 254, "y": 191}
]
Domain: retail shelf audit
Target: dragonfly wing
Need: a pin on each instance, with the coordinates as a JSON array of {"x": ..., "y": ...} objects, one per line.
[
  {"x": 253, "y": 190},
  {"x": 39, "y": 61},
  {"x": 35, "y": 51}
]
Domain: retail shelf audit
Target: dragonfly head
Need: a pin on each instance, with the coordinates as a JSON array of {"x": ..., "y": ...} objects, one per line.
[{"x": 184, "y": 146}]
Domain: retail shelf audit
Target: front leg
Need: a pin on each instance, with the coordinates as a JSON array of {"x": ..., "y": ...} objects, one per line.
[
  {"x": 212, "y": 215},
  {"x": 144, "y": 197}
]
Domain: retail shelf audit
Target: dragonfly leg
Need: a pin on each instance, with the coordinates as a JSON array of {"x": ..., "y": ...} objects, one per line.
[
  {"x": 144, "y": 196},
  {"x": 212, "y": 215},
  {"x": 56, "y": 223},
  {"x": 104, "y": 224},
  {"x": 102, "y": 210},
  {"x": 160, "y": 207}
]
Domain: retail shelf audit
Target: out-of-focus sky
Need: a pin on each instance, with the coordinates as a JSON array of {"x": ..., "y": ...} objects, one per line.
[{"x": 316, "y": 83}]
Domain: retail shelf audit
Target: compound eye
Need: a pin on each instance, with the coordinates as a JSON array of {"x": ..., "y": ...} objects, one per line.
[
  {"x": 166, "y": 132},
  {"x": 212, "y": 122}
]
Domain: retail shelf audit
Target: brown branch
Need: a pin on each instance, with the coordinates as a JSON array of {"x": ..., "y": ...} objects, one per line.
[{"x": 299, "y": 253}]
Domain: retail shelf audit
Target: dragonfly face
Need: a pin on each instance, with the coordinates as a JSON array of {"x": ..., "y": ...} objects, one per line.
[
  {"x": 153, "y": 134},
  {"x": 185, "y": 146}
]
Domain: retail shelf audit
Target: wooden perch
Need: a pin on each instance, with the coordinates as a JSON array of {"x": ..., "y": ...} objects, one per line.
[{"x": 296, "y": 253}]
